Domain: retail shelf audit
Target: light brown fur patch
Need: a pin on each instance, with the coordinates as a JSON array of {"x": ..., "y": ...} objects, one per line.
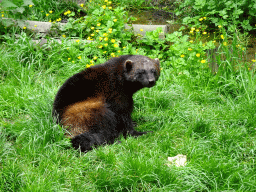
[{"x": 79, "y": 116}]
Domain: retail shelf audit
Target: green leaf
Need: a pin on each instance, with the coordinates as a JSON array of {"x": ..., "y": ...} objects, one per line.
[
  {"x": 20, "y": 9},
  {"x": 7, "y": 22},
  {"x": 27, "y": 2},
  {"x": 7, "y": 4}
]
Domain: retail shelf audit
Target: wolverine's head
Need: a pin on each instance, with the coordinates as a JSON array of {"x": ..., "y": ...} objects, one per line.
[{"x": 143, "y": 70}]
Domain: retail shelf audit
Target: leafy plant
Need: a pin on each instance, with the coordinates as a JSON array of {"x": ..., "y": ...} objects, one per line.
[
  {"x": 230, "y": 14},
  {"x": 104, "y": 25}
]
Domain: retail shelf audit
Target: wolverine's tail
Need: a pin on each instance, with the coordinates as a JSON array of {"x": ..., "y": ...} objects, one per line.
[{"x": 90, "y": 122}]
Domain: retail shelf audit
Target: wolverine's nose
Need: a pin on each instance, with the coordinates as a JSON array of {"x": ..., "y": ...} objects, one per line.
[{"x": 151, "y": 83}]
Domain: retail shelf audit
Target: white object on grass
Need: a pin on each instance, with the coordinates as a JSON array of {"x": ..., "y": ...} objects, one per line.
[{"x": 179, "y": 160}]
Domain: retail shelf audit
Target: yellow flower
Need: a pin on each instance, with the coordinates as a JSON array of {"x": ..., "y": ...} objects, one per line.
[
  {"x": 112, "y": 54},
  {"x": 193, "y": 29},
  {"x": 67, "y": 48},
  {"x": 105, "y": 44},
  {"x": 110, "y": 7},
  {"x": 47, "y": 14},
  {"x": 201, "y": 19},
  {"x": 92, "y": 28},
  {"x": 81, "y": 5},
  {"x": 105, "y": 39},
  {"x": 69, "y": 59},
  {"x": 110, "y": 29},
  {"x": 30, "y": 5},
  {"x": 222, "y": 36},
  {"x": 105, "y": 52},
  {"x": 118, "y": 51},
  {"x": 92, "y": 34},
  {"x": 35, "y": 25},
  {"x": 67, "y": 12},
  {"x": 191, "y": 32},
  {"x": 100, "y": 38},
  {"x": 24, "y": 27},
  {"x": 91, "y": 61},
  {"x": 115, "y": 45},
  {"x": 50, "y": 11},
  {"x": 204, "y": 18},
  {"x": 124, "y": 47},
  {"x": 197, "y": 30},
  {"x": 98, "y": 24},
  {"x": 100, "y": 46},
  {"x": 50, "y": 21},
  {"x": 253, "y": 60},
  {"x": 97, "y": 30},
  {"x": 182, "y": 55},
  {"x": 77, "y": 40},
  {"x": 106, "y": 1},
  {"x": 190, "y": 49},
  {"x": 95, "y": 57},
  {"x": 73, "y": 61},
  {"x": 214, "y": 41},
  {"x": 104, "y": 6},
  {"x": 115, "y": 20},
  {"x": 64, "y": 36},
  {"x": 204, "y": 33},
  {"x": 191, "y": 41},
  {"x": 88, "y": 65},
  {"x": 105, "y": 34},
  {"x": 109, "y": 2},
  {"x": 113, "y": 40},
  {"x": 198, "y": 54},
  {"x": 203, "y": 61},
  {"x": 79, "y": 57},
  {"x": 225, "y": 43},
  {"x": 141, "y": 29},
  {"x": 219, "y": 26}
]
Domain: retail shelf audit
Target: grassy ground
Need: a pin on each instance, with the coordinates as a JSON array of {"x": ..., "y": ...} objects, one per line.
[
  {"x": 216, "y": 132},
  {"x": 213, "y": 123}
]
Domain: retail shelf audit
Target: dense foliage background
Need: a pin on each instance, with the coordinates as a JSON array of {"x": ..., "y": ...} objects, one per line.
[{"x": 203, "y": 105}]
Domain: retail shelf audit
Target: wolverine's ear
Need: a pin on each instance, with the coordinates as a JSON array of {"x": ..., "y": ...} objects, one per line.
[
  {"x": 128, "y": 65},
  {"x": 157, "y": 60}
]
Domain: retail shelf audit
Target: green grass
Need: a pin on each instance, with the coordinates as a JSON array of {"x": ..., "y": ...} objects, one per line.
[
  {"x": 215, "y": 131},
  {"x": 209, "y": 118}
]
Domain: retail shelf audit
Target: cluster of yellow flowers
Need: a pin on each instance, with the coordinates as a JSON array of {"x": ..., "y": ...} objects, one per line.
[
  {"x": 202, "y": 18},
  {"x": 67, "y": 12},
  {"x": 108, "y": 3},
  {"x": 91, "y": 62},
  {"x": 197, "y": 55}
]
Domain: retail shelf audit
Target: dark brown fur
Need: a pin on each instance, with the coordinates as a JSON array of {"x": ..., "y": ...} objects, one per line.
[{"x": 95, "y": 105}]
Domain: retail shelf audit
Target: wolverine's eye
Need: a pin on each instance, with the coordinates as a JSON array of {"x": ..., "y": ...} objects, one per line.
[
  {"x": 142, "y": 71},
  {"x": 153, "y": 70}
]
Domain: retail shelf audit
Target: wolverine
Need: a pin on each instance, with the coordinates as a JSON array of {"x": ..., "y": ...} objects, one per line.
[{"x": 95, "y": 105}]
